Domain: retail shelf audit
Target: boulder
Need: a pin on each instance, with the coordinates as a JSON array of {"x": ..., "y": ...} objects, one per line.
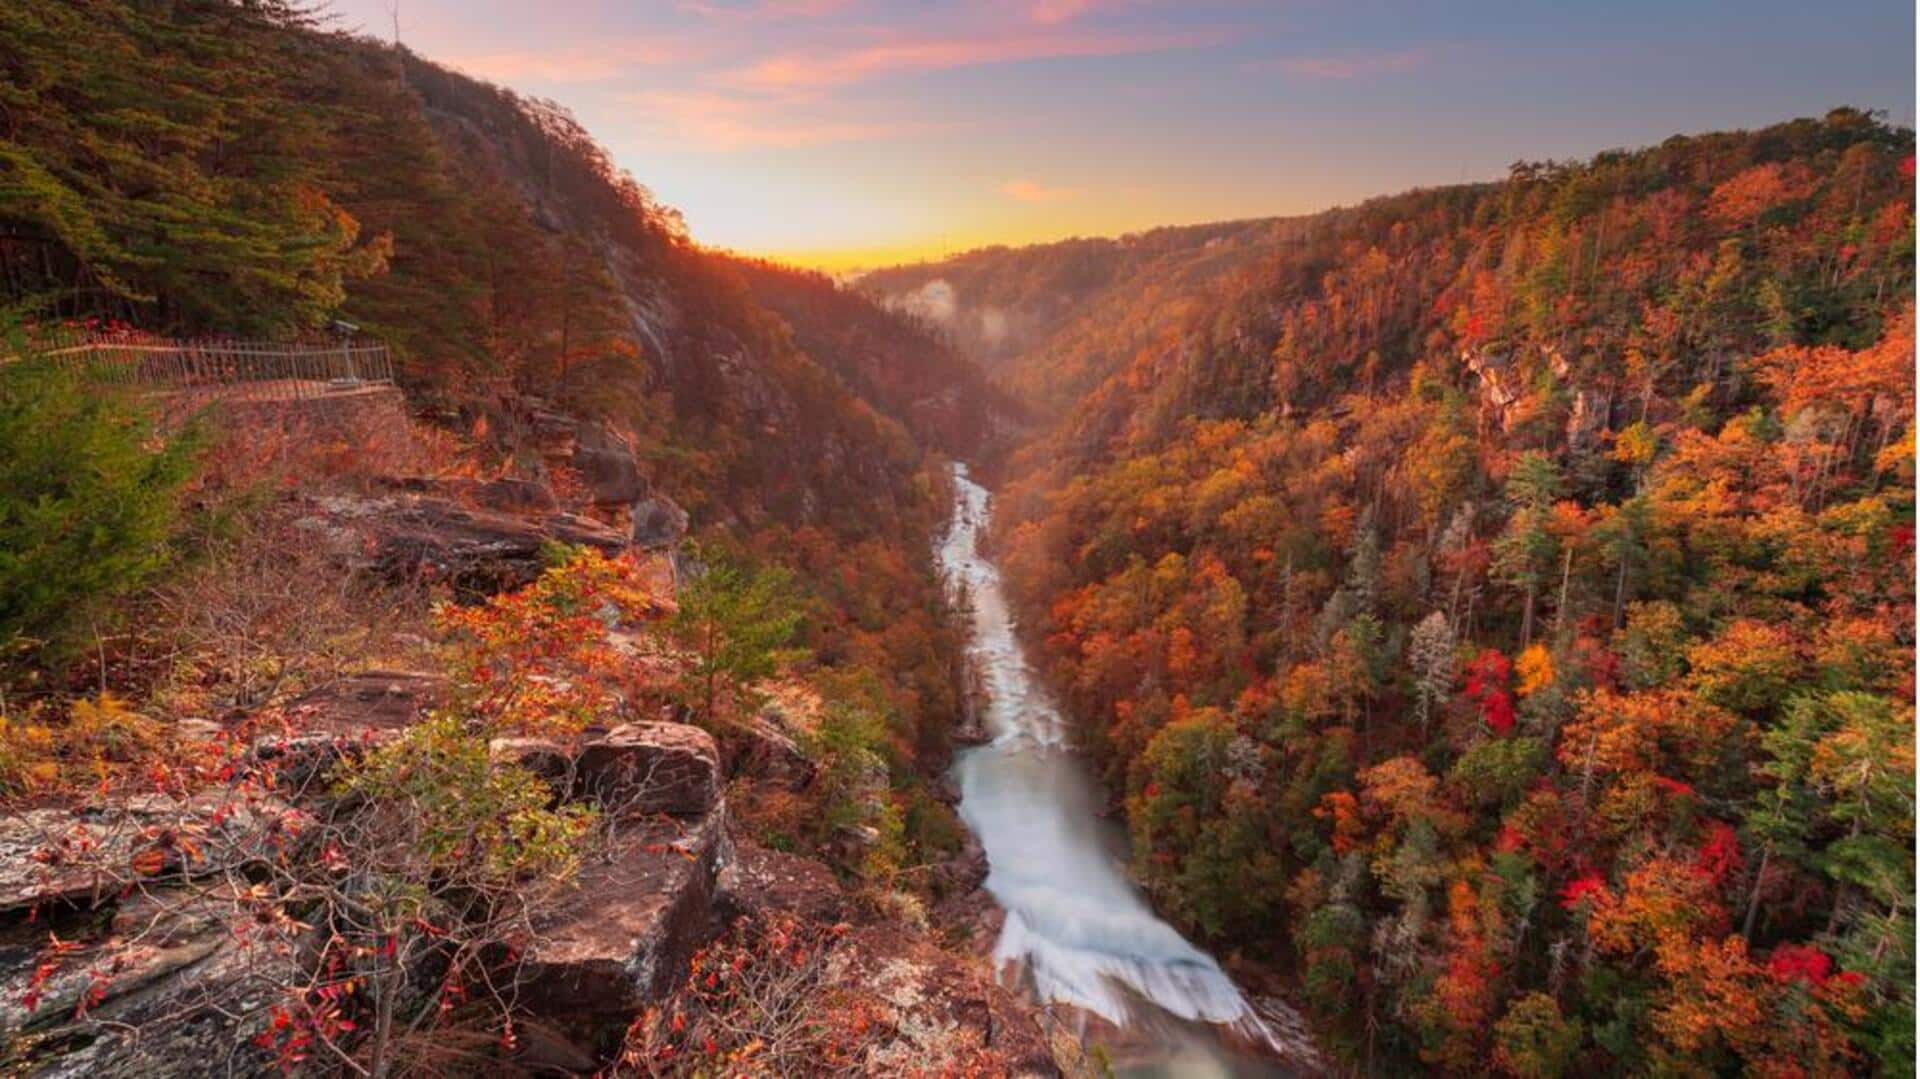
[
  {"x": 481, "y": 551},
  {"x": 622, "y": 935},
  {"x": 769, "y": 754},
  {"x": 606, "y": 465},
  {"x": 759, "y": 881},
  {"x": 658, "y": 523},
  {"x": 637, "y": 769}
]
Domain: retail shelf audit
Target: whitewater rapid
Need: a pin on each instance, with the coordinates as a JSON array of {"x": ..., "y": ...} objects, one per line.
[{"x": 1075, "y": 925}]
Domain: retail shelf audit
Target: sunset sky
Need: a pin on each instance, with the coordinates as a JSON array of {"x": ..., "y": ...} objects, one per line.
[{"x": 858, "y": 132}]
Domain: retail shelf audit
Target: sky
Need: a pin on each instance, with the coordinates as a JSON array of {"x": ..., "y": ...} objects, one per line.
[{"x": 847, "y": 133}]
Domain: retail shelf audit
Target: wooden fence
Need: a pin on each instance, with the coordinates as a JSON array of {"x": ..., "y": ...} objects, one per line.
[{"x": 264, "y": 369}]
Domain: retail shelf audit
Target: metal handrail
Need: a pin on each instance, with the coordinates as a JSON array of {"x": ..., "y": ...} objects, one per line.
[{"x": 257, "y": 368}]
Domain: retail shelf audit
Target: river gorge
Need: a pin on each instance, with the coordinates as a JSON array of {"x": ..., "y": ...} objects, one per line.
[{"x": 1077, "y": 931}]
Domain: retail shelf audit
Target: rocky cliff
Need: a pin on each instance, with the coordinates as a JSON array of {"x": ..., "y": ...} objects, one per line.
[{"x": 151, "y": 935}]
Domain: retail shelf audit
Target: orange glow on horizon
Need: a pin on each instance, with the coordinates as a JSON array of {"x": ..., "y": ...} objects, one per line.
[
  {"x": 844, "y": 260},
  {"x": 856, "y": 259}
]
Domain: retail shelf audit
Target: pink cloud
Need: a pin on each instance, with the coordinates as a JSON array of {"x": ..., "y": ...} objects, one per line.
[
  {"x": 1057, "y": 11},
  {"x": 1349, "y": 65},
  {"x": 1033, "y": 191},
  {"x": 765, "y": 9},
  {"x": 835, "y": 68},
  {"x": 574, "y": 65},
  {"x": 721, "y": 121}
]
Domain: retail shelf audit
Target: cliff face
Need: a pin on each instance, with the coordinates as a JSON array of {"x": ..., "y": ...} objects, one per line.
[{"x": 684, "y": 350}]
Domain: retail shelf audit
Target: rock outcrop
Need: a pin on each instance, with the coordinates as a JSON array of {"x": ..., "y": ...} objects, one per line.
[
  {"x": 406, "y": 536},
  {"x": 623, "y": 934},
  {"x": 126, "y": 947},
  {"x": 547, "y": 758},
  {"x": 161, "y": 968},
  {"x": 87, "y": 855},
  {"x": 179, "y": 980},
  {"x": 759, "y": 881},
  {"x": 1291, "y": 1036},
  {"x": 944, "y": 1012},
  {"x": 1500, "y": 384},
  {"x": 343, "y": 719},
  {"x": 601, "y": 458},
  {"x": 1588, "y": 421},
  {"x": 770, "y": 753},
  {"x": 175, "y": 985},
  {"x": 771, "y": 746},
  {"x": 506, "y": 495},
  {"x": 369, "y": 700},
  {"x": 637, "y": 769},
  {"x": 606, "y": 466}
]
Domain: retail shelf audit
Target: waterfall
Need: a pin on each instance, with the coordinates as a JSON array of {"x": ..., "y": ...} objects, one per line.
[{"x": 1075, "y": 924}]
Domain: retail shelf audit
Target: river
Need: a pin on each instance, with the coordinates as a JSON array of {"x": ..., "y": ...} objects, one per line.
[{"x": 1077, "y": 931}]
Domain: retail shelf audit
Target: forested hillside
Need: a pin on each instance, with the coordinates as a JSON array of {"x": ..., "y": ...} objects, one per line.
[
  {"x": 892, "y": 358},
  {"x": 1492, "y": 607},
  {"x": 279, "y": 177},
  {"x": 364, "y": 705},
  {"x": 1051, "y": 321},
  {"x": 1494, "y": 604}
]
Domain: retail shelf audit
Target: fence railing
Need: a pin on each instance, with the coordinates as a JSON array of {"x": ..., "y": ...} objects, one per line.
[{"x": 276, "y": 370}]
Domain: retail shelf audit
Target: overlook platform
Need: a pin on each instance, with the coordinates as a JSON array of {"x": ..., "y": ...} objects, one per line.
[{"x": 224, "y": 369}]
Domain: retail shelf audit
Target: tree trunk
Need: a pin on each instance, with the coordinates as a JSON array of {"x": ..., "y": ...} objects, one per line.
[
  {"x": 1560, "y": 612},
  {"x": 1620, "y": 593},
  {"x": 1753, "y": 897}
]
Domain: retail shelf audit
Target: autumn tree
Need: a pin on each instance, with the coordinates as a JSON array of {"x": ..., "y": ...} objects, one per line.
[
  {"x": 1528, "y": 551},
  {"x": 1430, "y": 657}
]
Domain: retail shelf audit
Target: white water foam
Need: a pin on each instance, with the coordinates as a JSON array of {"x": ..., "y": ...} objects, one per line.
[{"x": 1075, "y": 924}]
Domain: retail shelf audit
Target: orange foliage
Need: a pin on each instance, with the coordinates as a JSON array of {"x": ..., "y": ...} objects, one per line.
[{"x": 543, "y": 659}]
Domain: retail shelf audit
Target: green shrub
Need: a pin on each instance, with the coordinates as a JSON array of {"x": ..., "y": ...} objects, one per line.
[{"x": 89, "y": 496}]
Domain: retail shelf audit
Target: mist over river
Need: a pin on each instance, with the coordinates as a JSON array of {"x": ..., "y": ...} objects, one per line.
[{"x": 1077, "y": 931}]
